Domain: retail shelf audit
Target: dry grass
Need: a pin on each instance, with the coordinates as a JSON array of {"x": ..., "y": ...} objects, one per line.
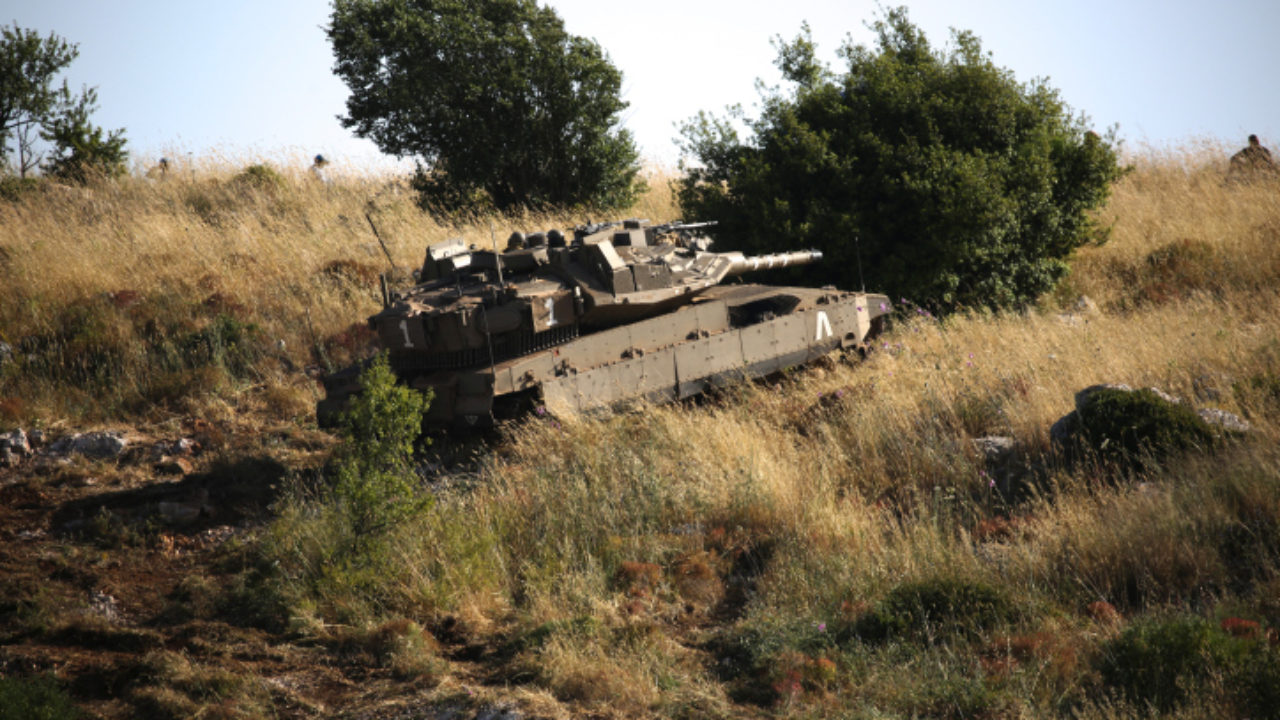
[{"x": 729, "y": 557}]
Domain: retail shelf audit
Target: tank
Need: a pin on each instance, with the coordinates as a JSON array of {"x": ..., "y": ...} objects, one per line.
[{"x": 610, "y": 313}]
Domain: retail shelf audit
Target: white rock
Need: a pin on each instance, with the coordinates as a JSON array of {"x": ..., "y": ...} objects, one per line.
[
  {"x": 1085, "y": 304},
  {"x": 1224, "y": 420},
  {"x": 1165, "y": 396},
  {"x": 994, "y": 448},
  {"x": 16, "y": 442},
  {"x": 101, "y": 445}
]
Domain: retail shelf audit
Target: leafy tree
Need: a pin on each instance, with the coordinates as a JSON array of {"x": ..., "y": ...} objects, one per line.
[
  {"x": 81, "y": 150},
  {"x": 28, "y": 96},
  {"x": 959, "y": 185},
  {"x": 32, "y": 106},
  {"x": 494, "y": 99}
]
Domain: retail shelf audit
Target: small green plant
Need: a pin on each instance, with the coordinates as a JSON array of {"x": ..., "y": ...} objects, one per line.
[
  {"x": 329, "y": 546},
  {"x": 38, "y": 698},
  {"x": 375, "y": 486}
]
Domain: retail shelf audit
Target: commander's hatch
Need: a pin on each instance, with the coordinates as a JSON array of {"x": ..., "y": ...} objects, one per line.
[{"x": 444, "y": 258}]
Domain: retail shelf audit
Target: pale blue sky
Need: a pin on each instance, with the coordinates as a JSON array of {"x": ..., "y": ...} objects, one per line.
[{"x": 252, "y": 79}]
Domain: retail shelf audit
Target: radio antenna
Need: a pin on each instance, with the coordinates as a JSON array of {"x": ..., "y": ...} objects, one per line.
[
  {"x": 497, "y": 256},
  {"x": 857, "y": 250}
]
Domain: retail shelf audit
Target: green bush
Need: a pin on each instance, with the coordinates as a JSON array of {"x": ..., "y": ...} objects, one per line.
[
  {"x": 38, "y": 698},
  {"x": 226, "y": 342},
  {"x": 129, "y": 355},
  {"x": 957, "y": 184},
  {"x": 1163, "y": 663},
  {"x": 934, "y": 610},
  {"x": 1129, "y": 425}
]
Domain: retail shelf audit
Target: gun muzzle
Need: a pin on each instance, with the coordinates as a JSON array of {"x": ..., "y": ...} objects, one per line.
[{"x": 750, "y": 263}]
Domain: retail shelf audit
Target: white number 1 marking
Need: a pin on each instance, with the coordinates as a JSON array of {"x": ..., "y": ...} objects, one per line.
[
  {"x": 550, "y": 304},
  {"x": 404, "y": 327}
]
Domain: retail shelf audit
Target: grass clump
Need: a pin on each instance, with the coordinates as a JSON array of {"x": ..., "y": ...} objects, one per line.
[
  {"x": 401, "y": 646},
  {"x": 170, "y": 685},
  {"x": 332, "y": 545},
  {"x": 37, "y": 698},
  {"x": 261, "y": 176},
  {"x": 13, "y": 188},
  {"x": 125, "y": 352},
  {"x": 1162, "y": 663},
  {"x": 936, "y": 609}
]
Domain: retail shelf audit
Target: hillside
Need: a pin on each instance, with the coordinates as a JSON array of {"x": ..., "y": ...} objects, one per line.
[{"x": 830, "y": 542}]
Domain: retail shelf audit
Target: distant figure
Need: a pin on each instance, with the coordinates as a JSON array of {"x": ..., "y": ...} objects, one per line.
[
  {"x": 317, "y": 169},
  {"x": 1252, "y": 162},
  {"x": 160, "y": 171}
]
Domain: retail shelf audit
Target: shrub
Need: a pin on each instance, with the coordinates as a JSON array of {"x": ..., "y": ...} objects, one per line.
[
  {"x": 1174, "y": 270},
  {"x": 1128, "y": 425},
  {"x": 1163, "y": 663},
  {"x": 225, "y": 342},
  {"x": 934, "y": 610},
  {"x": 402, "y": 646},
  {"x": 952, "y": 182},
  {"x": 38, "y": 698},
  {"x": 375, "y": 486},
  {"x": 329, "y": 546}
]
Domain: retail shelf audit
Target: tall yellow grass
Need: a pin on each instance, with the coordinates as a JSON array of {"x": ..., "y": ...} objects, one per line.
[{"x": 809, "y": 497}]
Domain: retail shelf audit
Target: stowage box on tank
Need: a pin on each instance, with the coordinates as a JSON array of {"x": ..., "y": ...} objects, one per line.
[{"x": 613, "y": 312}]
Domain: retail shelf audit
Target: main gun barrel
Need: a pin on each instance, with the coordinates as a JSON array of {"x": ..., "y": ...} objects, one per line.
[{"x": 749, "y": 263}]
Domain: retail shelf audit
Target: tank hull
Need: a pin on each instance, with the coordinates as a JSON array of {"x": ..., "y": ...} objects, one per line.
[{"x": 731, "y": 333}]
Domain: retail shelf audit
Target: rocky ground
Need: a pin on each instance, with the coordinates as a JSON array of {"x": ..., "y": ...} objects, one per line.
[{"x": 117, "y": 551}]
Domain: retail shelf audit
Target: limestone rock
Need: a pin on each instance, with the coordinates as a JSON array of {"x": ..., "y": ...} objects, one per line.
[
  {"x": 16, "y": 442},
  {"x": 1085, "y": 305},
  {"x": 103, "y": 605},
  {"x": 995, "y": 449},
  {"x": 98, "y": 445},
  {"x": 14, "y": 447},
  {"x": 1225, "y": 420},
  {"x": 1165, "y": 396}
]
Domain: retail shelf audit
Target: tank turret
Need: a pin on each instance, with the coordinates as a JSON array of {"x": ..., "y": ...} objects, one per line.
[{"x": 490, "y": 331}]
